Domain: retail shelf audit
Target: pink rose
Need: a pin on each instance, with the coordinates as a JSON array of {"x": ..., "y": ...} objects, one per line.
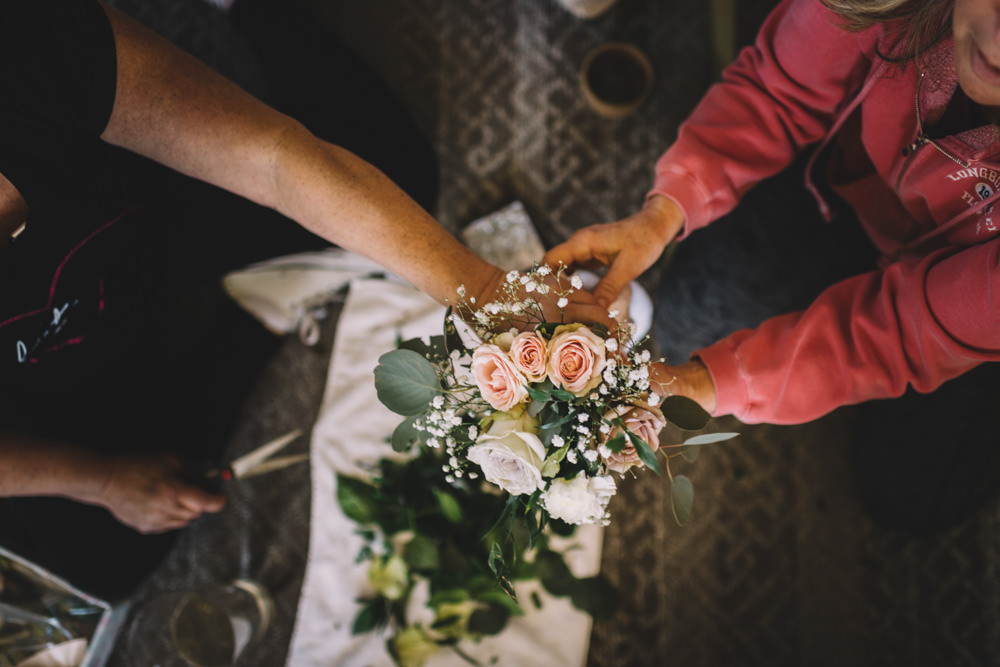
[
  {"x": 527, "y": 351},
  {"x": 501, "y": 385},
  {"x": 576, "y": 359},
  {"x": 646, "y": 422}
]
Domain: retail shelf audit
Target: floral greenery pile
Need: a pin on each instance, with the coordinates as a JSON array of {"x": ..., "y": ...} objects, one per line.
[
  {"x": 521, "y": 420},
  {"x": 428, "y": 554}
]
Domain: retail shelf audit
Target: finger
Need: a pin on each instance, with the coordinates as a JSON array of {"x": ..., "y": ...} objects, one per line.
[
  {"x": 570, "y": 253},
  {"x": 612, "y": 284},
  {"x": 197, "y": 500}
]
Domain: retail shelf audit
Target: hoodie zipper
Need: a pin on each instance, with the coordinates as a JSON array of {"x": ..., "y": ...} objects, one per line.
[{"x": 909, "y": 152}]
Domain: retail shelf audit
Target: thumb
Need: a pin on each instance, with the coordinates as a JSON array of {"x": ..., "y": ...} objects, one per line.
[
  {"x": 198, "y": 500},
  {"x": 611, "y": 285},
  {"x": 560, "y": 254}
]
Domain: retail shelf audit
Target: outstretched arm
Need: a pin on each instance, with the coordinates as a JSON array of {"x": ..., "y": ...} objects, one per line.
[{"x": 177, "y": 111}]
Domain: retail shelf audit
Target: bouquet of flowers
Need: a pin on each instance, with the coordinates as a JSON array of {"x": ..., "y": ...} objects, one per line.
[{"x": 545, "y": 410}]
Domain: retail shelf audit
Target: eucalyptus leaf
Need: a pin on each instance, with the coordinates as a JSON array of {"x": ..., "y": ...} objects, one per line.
[
  {"x": 405, "y": 435},
  {"x": 681, "y": 498},
  {"x": 690, "y": 454},
  {"x": 710, "y": 438},
  {"x": 357, "y": 499},
  {"x": 406, "y": 382},
  {"x": 685, "y": 413}
]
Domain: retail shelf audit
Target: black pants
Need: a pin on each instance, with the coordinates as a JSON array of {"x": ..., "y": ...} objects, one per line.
[
  {"x": 207, "y": 352},
  {"x": 924, "y": 462}
]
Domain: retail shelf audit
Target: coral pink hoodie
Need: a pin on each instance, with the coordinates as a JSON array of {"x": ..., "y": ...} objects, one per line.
[{"x": 932, "y": 311}]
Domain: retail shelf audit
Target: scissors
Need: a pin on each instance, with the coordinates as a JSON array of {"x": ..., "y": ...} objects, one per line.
[{"x": 256, "y": 462}]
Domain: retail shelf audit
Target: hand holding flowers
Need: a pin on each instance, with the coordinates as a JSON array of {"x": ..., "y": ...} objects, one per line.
[{"x": 528, "y": 401}]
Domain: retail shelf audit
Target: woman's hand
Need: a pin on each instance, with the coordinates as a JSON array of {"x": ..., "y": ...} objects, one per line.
[
  {"x": 148, "y": 494},
  {"x": 627, "y": 247},
  {"x": 582, "y": 306},
  {"x": 690, "y": 379}
]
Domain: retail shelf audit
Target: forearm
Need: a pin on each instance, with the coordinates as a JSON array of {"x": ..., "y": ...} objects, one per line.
[
  {"x": 174, "y": 110},
  {"x": 349, "y": 202},
  {"x": 32, "y": 466}
]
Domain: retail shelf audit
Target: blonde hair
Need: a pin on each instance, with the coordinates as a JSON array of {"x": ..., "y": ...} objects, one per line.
[{"x": 917, "y": 24}]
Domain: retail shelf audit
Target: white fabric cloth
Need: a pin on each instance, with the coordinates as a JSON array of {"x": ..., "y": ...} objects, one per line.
[{"x": 351, "y": 431}]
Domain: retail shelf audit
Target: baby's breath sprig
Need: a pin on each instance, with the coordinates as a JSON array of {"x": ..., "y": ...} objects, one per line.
[{"x": 540, "y": 294}]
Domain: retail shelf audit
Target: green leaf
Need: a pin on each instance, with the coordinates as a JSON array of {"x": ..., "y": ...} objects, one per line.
[
  {"x": 436, "y": 346},
  {"x": 371, "y": 616},
  {"x": 490, "y": 620},
  {"x": 684, "y": 412},
  {"x": 405, "y": 435},
  {"x": 552, "y": 571},
  {"x": 421, "y": 553},
  {"x": 536, "y": 394},
  {"x": 595, "y": 596},
  {"x": 406, "y": 382},
  {"x": 681, "y": 498},
  {"x": 357, "y": 499},
  {"x": 551, "y": 466},
  {"x": 555, "y": 423},
  {"x": 495, "y": 597},
  {"x": 690, "y": 454},
  {"x": 449, "y": 505},
  {"x": 535, "y": 407},
  {"x": 645, "y": 452},
  {"x": 617, "y": 443},
  {"x": 710, "y": 438},
  {"x": 499, "y": 568}
]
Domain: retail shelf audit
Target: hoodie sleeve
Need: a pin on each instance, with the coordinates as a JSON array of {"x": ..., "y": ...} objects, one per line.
[
  {"x": 918, "y": 323},
  {"x": 780, "y": 95}
]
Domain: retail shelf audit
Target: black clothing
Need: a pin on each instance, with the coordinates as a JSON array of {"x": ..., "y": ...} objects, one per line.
[{"x": 114, "y": 331}]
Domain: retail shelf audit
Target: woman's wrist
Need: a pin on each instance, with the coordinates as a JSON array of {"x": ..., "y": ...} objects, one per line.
[
  {"x": 667, "y": 216},
  {"x": 690, "y": 379}
]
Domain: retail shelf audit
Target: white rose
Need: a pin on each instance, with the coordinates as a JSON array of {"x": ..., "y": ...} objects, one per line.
[
  {"x": 579, "y": 500},
  {"x": 510, "y": 457}
]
